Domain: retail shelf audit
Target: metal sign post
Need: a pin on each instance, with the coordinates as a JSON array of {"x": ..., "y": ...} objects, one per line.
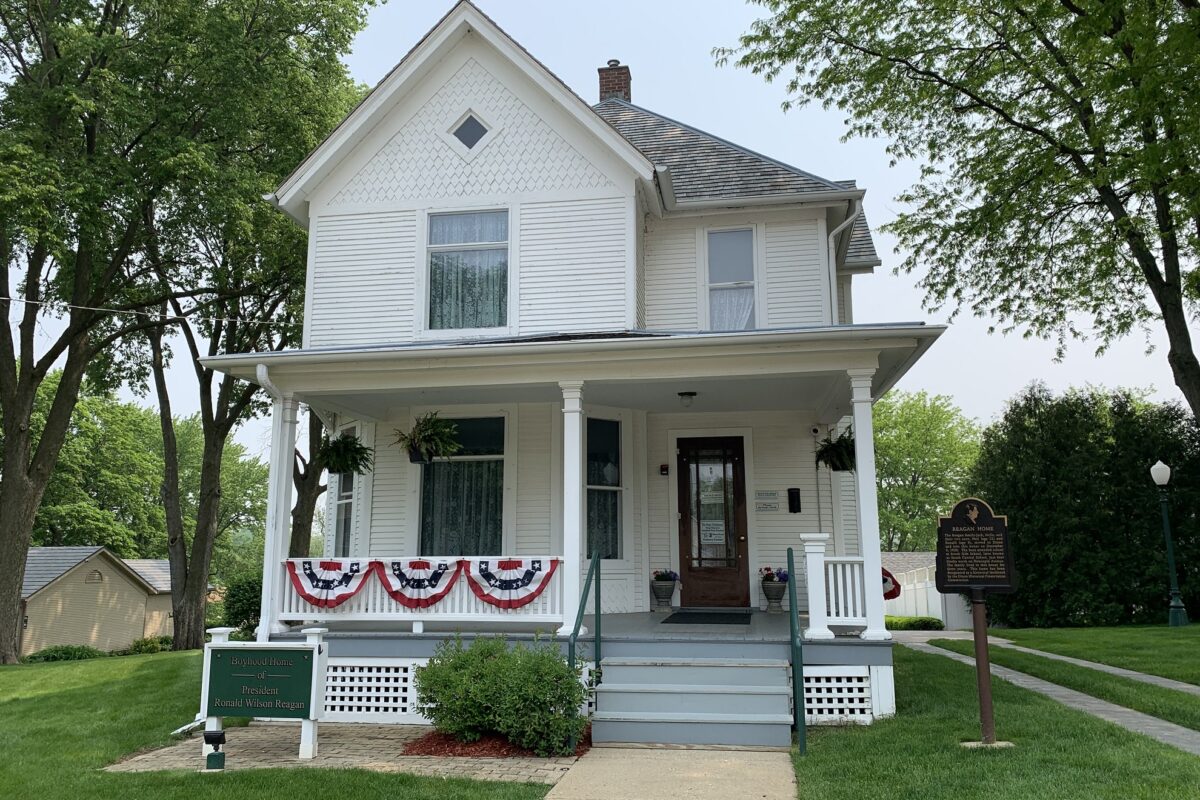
[{"x": 973, "y": 557}]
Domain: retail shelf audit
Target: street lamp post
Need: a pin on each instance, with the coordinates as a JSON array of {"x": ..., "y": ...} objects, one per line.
[{"x": 1176, "y": 613}]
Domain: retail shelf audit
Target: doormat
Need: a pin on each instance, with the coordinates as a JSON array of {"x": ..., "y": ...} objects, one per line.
[{"x": 708, "y": 618}]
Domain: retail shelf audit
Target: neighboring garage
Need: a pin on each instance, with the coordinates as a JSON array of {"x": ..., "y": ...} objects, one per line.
[{"x": 87, "y": 595}]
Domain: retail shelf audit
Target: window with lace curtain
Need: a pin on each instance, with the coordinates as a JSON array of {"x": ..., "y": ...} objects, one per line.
[
  {"x": 604, "y": 488},
  {"x": 462, "y": 497},
  {"x": 468, "y": 270},
  {"x": 731, "y": 280}
]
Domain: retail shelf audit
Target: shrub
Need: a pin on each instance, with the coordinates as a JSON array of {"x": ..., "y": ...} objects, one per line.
[
  {"x": 242, "y": 598},
  {"x": 528, "y": 695},
  {"x": 144, "y": 646},
  {"x": 166, "y": 642},
  {"x": 64, "y": 652},
  {"x": 913, "y": 623}
]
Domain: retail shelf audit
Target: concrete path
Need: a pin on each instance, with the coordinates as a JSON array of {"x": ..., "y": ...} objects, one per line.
[
  {"x": 1166, "y": 732},
  {"x": 620, "y": 773},
  {"x": 905, "y": 637},
  {"x": 1156, "y": 680}
]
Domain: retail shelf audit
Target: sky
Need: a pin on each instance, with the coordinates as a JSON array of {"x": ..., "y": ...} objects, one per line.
[{"x": 668, "y": 47}]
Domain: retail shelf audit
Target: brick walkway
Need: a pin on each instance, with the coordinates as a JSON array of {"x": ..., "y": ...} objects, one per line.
[
  {"x": 1156, "y": 680},
  {"x": 1166, "y": 732},
  {"x": 373, "y": 747}
]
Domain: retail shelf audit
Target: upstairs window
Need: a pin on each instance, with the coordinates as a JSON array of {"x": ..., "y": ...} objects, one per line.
[
  {"x": 731, "y": 280},
  {"x": 468, "y": 270},
  {"x": 470, "y": 131}
]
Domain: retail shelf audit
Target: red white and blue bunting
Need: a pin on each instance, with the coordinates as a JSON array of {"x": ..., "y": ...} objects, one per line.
[
  {"x": 329, "y": 582},
  {"x": 891, "y": 586},
  {"x": 510, "y": 582},
  {"x": 418, "y": 582}
]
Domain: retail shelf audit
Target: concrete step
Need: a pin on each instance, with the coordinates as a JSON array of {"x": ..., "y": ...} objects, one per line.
[
  {"x": 695, "y": 671},
  {"x": 692, "y": 698},
  {"x": 666, "y": 648},
  {"x": 731, "y": 730}
]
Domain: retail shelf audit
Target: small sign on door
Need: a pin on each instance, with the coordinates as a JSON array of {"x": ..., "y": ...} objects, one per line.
[{"x": 712, "y": 531}]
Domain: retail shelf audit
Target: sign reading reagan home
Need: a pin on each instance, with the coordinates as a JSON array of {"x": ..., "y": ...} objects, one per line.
[
  {"x": 973, "y": 551},
  {"x": 264, "y": 682}
]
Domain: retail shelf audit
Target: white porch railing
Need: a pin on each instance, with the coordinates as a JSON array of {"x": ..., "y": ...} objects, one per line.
[
  {"x": 461, "y": 605},
  {"x": 845, "y": 591}
]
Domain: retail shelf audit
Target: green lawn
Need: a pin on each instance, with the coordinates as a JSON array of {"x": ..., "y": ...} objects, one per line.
[
  {"x": 1157, "y": 650},
  {"x": 60, "y": 722},
  {"x": 1060, "y": 753},
  {"x": 1178, "y": 707}
]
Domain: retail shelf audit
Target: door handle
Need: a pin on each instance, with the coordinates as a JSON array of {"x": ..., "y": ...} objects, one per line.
[{"x": 741, "y": 538}]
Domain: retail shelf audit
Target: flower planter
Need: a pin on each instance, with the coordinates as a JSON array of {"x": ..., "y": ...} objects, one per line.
[
  {"x": 774, "y": 590},
  {"x": 417, "y": 457},
  {"x": 663, "y": 591}
]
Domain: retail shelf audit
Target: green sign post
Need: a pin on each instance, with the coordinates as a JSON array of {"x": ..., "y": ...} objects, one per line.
[
  {"x": 260, "y": 682},
  {"x": 275, "y": 680}
]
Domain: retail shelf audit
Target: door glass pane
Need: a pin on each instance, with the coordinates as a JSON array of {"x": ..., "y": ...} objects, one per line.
[
  {"x": 603, "y": 452},
  {"x": 603, "y": 523},
  {"x": 462, "y": 508},
  {"x": 730, "y": 256},
  {"x": 712, "y": 502}
]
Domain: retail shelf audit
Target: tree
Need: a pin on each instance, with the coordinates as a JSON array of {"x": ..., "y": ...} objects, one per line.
[
  {"x": 306, "y": 475},
  {"x": 110, "y": 112},
  {"x": 925, "y": 448},
  {"x": 1072, "y": 474},
  {"x": 105, "y": 486},
  {"x": 1058, "y": 141}
]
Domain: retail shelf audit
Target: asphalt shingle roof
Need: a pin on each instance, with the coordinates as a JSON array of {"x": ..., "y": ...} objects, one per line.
[
  {"x": 707, "y": 167},
  {"x": 154, "y": 571},
  {"x": 44, "y": 564},
  {"x": 897, "y": 563}
]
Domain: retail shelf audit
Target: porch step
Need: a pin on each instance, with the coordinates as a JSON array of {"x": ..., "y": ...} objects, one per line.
[{"x": 694, "y": 701}]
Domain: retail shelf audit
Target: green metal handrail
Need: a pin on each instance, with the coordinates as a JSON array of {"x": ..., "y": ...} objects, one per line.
[
  {"x": 799, "y": 722},
  {"x": 593, "y": 571}
]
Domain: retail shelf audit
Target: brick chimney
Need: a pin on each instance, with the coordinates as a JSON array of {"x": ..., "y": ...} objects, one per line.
[{"x": 614, "y": 81}]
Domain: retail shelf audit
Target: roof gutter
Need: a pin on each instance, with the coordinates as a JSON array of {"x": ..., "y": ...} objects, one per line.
[
  {"x": 777, "y": 199},
  {"x": 834, "y": 248}
]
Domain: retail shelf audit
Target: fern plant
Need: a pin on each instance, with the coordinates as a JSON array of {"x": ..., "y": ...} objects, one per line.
[
  {"x": 430, "y": 437},
  {"x": 347, "y": 454}
]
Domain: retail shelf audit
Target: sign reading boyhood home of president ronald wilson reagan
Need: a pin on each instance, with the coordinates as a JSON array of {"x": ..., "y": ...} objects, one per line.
[
  {"x": 973, "y": 550},
  {"x": 266, "y": 682}
]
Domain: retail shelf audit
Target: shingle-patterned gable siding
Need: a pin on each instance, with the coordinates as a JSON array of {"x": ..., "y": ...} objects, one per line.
[
  {"x": 45, "y": 564},
  {"x": 704, "y": 166}
]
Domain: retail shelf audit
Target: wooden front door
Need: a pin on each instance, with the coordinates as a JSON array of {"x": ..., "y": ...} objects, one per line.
[{"x": 712, "y": 522}]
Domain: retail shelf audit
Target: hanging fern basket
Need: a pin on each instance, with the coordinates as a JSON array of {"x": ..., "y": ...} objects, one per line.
[
  {"x": 837, "y": 454},
  {"x": 347, "y": 454},
  {"x": 430, "y": 437}
]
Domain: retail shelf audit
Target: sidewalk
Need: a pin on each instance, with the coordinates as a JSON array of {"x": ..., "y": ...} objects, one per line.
[
  {"x": 627, "y": 773},
  {"x": 1166, "y": 732},
  {"x": 1156, "y": 680}
]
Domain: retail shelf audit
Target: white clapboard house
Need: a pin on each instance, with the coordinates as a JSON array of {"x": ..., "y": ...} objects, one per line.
[{"x": 641, "y": 331}]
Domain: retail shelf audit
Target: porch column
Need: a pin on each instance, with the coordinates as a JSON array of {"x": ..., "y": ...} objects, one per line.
[
  {"x": 814, "y": 577},
  {"x": 868, "y": 502},
  {"x": 279, "y": 513},
  {"x": 573, "y": 500}
]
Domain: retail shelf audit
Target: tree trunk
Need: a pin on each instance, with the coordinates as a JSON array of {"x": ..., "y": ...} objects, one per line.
[
  {"x": 307, "y": 477},
  {"x": 191, "y": 602},
  {"x": 1181, "y": 356}
]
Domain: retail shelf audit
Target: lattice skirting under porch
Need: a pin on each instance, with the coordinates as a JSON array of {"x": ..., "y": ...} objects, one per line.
[
  {"x": 837, "y": 695},
  {"x": 383, "y": 690}
]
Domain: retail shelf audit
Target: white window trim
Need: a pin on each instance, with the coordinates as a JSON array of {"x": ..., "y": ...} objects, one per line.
[
  {"x": 508, "y": 512},
  {"x": 702, "y": 284},
  {"x": 468, "y": 154},
  {"x": 360, "y": 499},
  {"x": 421, "y": 289},
  {"x": 625, "y": 417}
]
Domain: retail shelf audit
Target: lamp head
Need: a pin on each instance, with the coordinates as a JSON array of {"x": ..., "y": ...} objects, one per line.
[
  {"x": 1161, "y": 474},
  {"x": 686, "y": 399}
]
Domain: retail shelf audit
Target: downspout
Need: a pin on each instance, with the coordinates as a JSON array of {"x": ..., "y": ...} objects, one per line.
[
  {"x": 264, "y": 380},
  {"x": 855, "y": 211}
]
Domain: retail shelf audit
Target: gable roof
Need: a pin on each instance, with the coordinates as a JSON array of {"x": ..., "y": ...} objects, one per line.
[
  {"x": 463, "y": 18},
  {"x": 704, "y": 166},
  {"x": 154, "y": 571},
  {"x": 46, "y": 564},
  {"x": 898, "y": 563}
]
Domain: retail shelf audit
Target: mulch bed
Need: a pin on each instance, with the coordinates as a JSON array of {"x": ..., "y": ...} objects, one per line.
[{"x": 444, "y": 745}]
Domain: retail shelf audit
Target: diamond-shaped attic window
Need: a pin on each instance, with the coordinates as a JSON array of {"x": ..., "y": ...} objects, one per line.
[{"x": 470, "y": 131}]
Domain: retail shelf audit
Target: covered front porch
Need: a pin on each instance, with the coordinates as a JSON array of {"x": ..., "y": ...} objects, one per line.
[{"x": 690, "y": 453}]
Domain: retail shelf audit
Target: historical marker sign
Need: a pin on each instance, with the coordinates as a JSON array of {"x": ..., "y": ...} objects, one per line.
[
  {"x": 260, "y": 682},
  {"x": 973, "y": 550}
]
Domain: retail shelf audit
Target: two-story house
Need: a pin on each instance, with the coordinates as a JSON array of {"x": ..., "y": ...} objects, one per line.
[{"x": 641, "y": 331}]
